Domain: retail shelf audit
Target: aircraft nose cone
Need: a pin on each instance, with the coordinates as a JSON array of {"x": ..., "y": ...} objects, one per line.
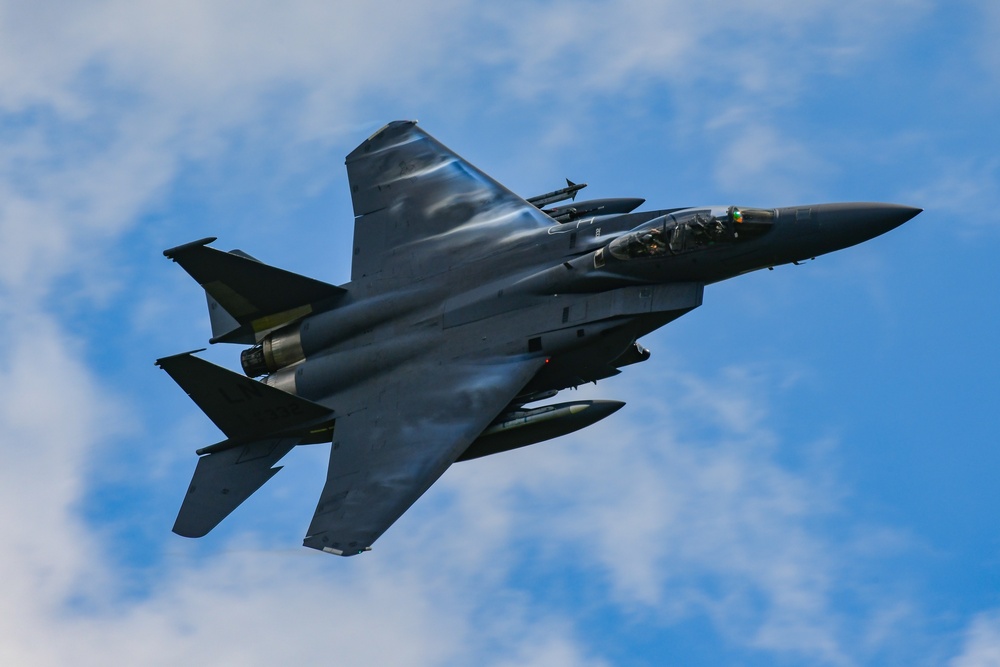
[
  {"x": 857, "y": 222},
  {"x": 878, "y": 218},
  {"x": 901, "y": 214}
]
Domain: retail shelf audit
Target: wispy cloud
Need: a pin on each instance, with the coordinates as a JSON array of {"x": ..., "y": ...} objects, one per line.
[
  {"x": 970, "y": 184},
  {"x": 981, "y": 647},
  {"x": 684, "y": 509}
]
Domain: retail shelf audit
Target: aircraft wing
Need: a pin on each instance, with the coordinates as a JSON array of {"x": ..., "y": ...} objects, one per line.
[
  {"x": 400, "y": 436},
  {"x": 421, "y": 209}
]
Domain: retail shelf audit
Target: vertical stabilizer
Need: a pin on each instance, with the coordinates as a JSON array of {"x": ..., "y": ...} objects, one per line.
[{"x": 258, "y": 297}]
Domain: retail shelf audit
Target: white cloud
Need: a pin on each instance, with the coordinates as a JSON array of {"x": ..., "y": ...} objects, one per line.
[
  {"x": 759, "y": 162},
  {"x": 985, "y": 44},
  {"x": 767, "y": 48},
  {"x": 52, "y": 413},
  {"x": 972, "y": 184},
  {"x": 982, "y": 642},
  {"x": 216, "y": 57},
  {"x": 683, "y": 509},
  {"x": 728, "y": 75}
]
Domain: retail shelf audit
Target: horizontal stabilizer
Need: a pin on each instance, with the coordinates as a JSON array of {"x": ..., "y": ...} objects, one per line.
[
  {"x": 242, "y": 408},
  {"x": 222, "y": 481},
  {"x": 258, "y": 296}
]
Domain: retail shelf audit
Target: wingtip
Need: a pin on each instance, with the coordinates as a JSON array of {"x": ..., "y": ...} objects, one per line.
[
  {"x": 381, "y": 138},
  {"x": 176, "y": 250},
  {"x": 159, "y": 362},
  {"x": 391, "y": 125}
]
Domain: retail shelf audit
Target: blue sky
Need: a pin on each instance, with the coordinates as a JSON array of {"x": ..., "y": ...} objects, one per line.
[{"x": 804, "y": 473}]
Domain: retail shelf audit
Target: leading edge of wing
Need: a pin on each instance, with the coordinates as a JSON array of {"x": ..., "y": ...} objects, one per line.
[
  {"x": 400, "y": 440},
  {"x": 413, "y": 199}
]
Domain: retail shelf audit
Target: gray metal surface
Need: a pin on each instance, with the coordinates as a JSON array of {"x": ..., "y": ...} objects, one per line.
[{"x": 467, "y": 305}]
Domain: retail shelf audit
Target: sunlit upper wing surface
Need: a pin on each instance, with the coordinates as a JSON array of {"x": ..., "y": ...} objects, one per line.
[
  {"x": 421, "y": 209},
  {"x": 399, "y": 435}
]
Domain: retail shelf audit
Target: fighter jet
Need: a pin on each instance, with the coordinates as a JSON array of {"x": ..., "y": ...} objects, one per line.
[{"x": 467, "y": 306}]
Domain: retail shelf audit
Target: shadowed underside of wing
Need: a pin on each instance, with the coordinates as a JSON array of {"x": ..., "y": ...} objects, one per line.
[
  {"x": 401, "y": 437},
  {"x": 421, "y": 209}
]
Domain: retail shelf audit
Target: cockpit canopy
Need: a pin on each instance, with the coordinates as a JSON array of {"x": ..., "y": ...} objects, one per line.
[{"x": 691, "y": 229}]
